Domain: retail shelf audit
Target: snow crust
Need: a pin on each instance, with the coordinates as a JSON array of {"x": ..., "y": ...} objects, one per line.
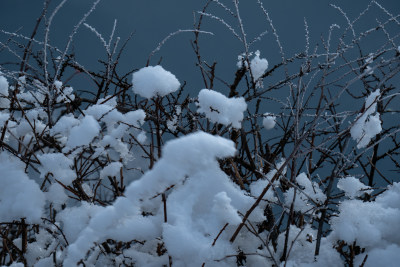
[
  {"x": 221, "y": 109},
  {"x": 153, "y": 81}
]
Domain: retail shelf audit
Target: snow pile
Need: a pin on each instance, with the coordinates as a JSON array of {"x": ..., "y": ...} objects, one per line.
[
  {"x": 194, "y": 220},
  {"x": 367, "y": 126},
  {"x": 153, "y": 81},
  {"x": 371, "y": 224},
  {"x": 20, "y": 197},
  {"x": 220, "y": 109},
  {"x": 269, "y": 121}
]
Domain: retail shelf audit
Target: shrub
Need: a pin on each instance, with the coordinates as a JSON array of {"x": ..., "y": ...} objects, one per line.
[{"x": 290, "y": 168}]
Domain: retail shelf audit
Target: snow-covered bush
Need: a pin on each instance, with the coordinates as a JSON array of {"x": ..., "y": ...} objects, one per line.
[{"x": 286, "y": 163}]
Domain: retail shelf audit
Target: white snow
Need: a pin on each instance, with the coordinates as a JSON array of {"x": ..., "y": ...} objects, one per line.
[
  {"x": 221, "y": 109},
  {"x": 58, "y": 165},
  {"x": 64, "y": 125},
  {"x": 83, "y": 133},
  {"x": 269, "y": 121},
  {"x": 369, "y": 223},
  {"x": 258, "y": 186},
  {"x": 258, "y": 66},
  {"x": 194, "y": 220},
  {"x": 112, "y": 169},
  {"x": 352, "y": 187},
  {"x": 4, "y": 102},
  {"x": 153, "y": 81},
  {"x": 307, "y": 194},
  {"x": 56, "y": 195},
  {"x": 20, "y": 197},
  {"x": 367, "y": 126}
]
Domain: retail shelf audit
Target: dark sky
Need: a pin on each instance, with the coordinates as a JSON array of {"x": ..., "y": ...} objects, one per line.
[{"x": 152, "y": 20}]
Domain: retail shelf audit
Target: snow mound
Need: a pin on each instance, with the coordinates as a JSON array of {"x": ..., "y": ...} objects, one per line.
[
  {"x": 196, "y": 210},
  {"x": 221, "y": 109},
  {"x": 369, "y": 223},
  {"x": 153, "y": 81}
]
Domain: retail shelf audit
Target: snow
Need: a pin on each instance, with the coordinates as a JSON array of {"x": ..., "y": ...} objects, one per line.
[
  {"x": 83, "y": 133},
  {"x": 258, "y": 186},
  {"x": 64, "y": 125},
  {"x": 306, "y": 195},
  {"x": 367, "y": 126},
  {"x": 269, "y": 121},
  {"x": 302, "y": 242},
  {"x": 189, "y": 164},
  {"x": 112, "y": 169},
  {"x": 4, "y": 102},
  {"x": 75, "y": 219},
  {"x": 153, "y": 81},
  {"x": 367, "y": 222},
  {"x": 352, "y": 187},
  {"x": 20, "y": 197},
  {"x": 58, "y": 165},
  {"x": 223, "y": 209},
  {"x": 258, "y": 66},
  {"x": 218, "y": 108},
  {"x": 56, "y": 195},
  {"x": 388, "y": 257}
]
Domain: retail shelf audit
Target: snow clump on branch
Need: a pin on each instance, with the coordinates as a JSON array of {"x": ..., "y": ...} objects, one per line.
[
  {"x": 151, "y": 81},
  {"x": 258, "y": 66},
  {"x": 221, "y": 109},
  {"x": 367, "y": 126},
  {"x": 269, "y": 121}
]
